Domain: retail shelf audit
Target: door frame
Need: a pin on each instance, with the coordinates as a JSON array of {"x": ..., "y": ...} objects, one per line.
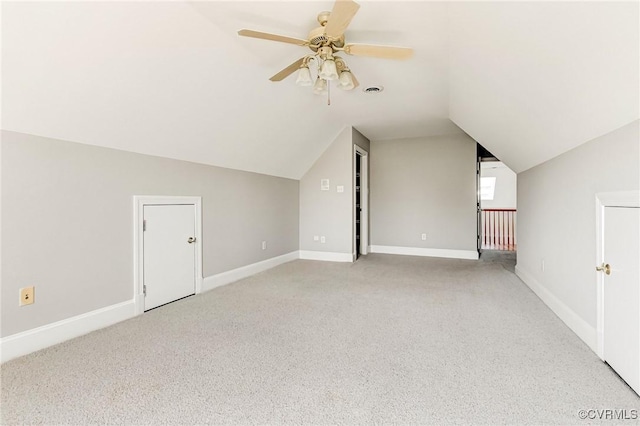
[
  {"x": 364, "y": 200},
  {"x": 139, "y": 201},
  {"x": 479, "y": 230},
  {"x": 607, "y": 199}
]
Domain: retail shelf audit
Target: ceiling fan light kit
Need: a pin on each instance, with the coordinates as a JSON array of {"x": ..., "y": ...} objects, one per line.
[
  {"x": 346, "y": 81},
  {"x": 320, "y": 86},
  {"x": 304, "y": 76},
  {"x": 325, "y": 41},
  {"x": 328, "y": 70}
]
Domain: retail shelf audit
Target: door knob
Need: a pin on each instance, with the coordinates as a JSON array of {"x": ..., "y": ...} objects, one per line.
[
  {"x": 191, "y": 240},
  {"x": 605, "y": 267}
]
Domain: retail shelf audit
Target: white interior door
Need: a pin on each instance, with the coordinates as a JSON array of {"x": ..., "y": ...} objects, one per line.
[
  {"x": 169, "y": 256},
  {"x": 622, "y": 293}
]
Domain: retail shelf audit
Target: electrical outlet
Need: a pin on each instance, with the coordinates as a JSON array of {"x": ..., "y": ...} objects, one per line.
[
  {"x": 264, "y": 245},
  {"x": 424, "y": 237},
  {"x": 316, "y": 238},
  {"x": 340, "y": 188},
  {"x": 27, "y": 296},
  {"x": 323, "y": 240}
]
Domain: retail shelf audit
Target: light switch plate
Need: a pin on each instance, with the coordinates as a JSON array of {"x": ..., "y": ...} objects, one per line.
[
  {"x": 340, "y": 188},
  {"x": 316, "y": 238},
  {"x": 323, "y": 240},
  {"x": 324, "y": 184}
]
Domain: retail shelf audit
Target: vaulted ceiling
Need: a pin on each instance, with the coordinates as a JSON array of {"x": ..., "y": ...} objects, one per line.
[
  {"x": 527, "y": 80},
  {"x": 531, "y": 80}
]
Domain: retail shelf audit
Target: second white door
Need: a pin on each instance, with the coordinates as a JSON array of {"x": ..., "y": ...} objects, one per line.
[
  {"x": 622, "y": 293},
  {"x": 169, "y": 253}
]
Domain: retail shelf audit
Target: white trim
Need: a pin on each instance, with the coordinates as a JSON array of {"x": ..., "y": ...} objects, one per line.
[
  {"x": 233, "y": 275},
  {"x": 24, "y": 343},
  {"x": 619, "y": 198},
  {"x": 326, "y": 256},
  {"x": 599, "y": 278},
  {"x": 607, "y": 199},
  {"x": 364, "y": 200},
  {"x": 139, "y": 201},
  {"x": 579, "y": 326},
  {"x": 429, "y": 252}
]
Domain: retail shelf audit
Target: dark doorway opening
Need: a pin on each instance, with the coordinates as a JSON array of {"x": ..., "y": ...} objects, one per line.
[
  {"x": 358, "y": 202},
  {"x": 496, "y": 203}
]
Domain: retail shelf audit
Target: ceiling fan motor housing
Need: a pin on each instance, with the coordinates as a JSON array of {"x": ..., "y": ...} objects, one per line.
[{"x": 317, "y": 37}]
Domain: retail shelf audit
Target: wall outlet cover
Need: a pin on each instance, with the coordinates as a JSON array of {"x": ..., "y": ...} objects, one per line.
[
  {"x": 316, "y": 238},
  {"x": 323, "y": 240},
  {"x": 324, "y": 184},
  {"x": 424, "y": 237},
  {"x": 27, "y": 296},
  {"x": 340, "y": 188}
]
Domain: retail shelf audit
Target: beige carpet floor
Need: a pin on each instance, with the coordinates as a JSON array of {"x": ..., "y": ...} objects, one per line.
[{"x": 389, "y": 339}]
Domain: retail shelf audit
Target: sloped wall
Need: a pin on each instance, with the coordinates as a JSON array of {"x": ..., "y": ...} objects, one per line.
[
  {"x": 557, "y": 222},
  {"x": 67, "y": 222},
  {"x": 530, "y": 80}
]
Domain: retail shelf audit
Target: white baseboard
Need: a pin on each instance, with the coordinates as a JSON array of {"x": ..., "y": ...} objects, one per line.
[
  {"x": 326, "y": 256},
  {"x": 48, "y": 335},
  {"x": 213, "y": 281},
  {"x": 430, "y": 252},
  {"x": 579, "y": 326}
]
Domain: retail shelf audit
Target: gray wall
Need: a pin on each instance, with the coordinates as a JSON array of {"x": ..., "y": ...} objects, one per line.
[
  {"x": 360, "y": 140},
  {"x": 329, "y": 213},
  {"x": 424, "y": 185},
  {"x": 556, "y": 214},
  {"x": 67, "y": 213}
]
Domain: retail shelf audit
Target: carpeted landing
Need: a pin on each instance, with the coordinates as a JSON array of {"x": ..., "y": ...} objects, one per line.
[{"x": 389, "y": 339}]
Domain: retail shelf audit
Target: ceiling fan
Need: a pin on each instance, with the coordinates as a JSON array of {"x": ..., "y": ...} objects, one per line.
[{"x": 326, "y": 42}]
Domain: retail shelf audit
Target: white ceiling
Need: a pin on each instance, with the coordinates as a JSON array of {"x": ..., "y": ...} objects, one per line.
[{"x": 173, "y": 78}]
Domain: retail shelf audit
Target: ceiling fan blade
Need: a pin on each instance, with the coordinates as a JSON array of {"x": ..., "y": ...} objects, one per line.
[
  {"x": 273, "y": 37},
  {"x": 387, "y": 52},
  {"x": 340, "y": 18},
  {"x": 288, "y": 70}
]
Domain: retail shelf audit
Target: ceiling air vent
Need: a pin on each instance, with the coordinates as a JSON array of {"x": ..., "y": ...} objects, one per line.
[{"x": 373, "y": 89}]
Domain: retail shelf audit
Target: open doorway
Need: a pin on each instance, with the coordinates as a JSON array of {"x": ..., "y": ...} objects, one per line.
[
  {"x": 497, "y": 204},
  {"x": 361, "y": 203}
]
